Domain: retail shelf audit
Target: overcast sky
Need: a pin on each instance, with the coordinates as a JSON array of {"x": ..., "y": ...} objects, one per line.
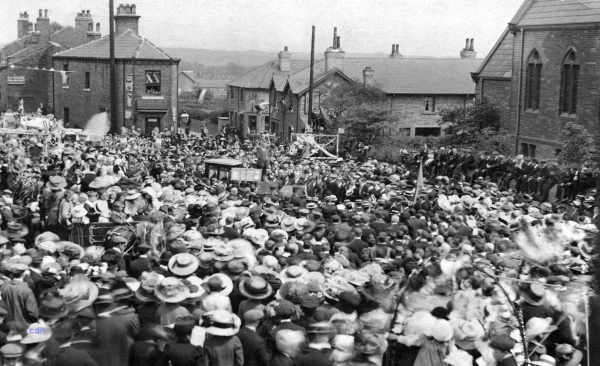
[{"x": 422, "y": 27}]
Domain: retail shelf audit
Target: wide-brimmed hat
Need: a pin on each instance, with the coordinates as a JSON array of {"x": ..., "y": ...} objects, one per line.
[
  {"x": 544, "y": 360},
  {"x": 259, "y": 236},
  {"x": 255, "y": 287},
  {"x": 567, "y": 355},
  {"x": 171, "y": 290},
  {"x": 147, "y": 285},
  {"x": 53, "y": 307},
  {"x": 367, "y": 343},
  {"x": 15, "y": 230},
  {"x": 241, "y": 248},
  {"x": 442, "y": 331},
  {"x": 287, "y": 223},
  {"x": 56, "y": 182},
  {"x": 70, "y": 249},
  {"x": 534, "y": 294},
  {"x": 467, "y": 332},
  {"x": 222, "y": 252},
  {"x": 221, "y": 323},
  {"x": 292, "y": 273},
  {"x": 194, "y": 283},
  {"x": 79, "y": 294},
  {"x": 132, "y": 194},
  {"x": 183, "y": 264},
  {"x": 103, "y": 181},
  {"x": 175, "y": 231},
  {"x": 214, "y": 229},
  {"x": 536, "y": 326},
  {"x": 78, "y": 211},
  {"x": 37, "y": 333},
  {"x": 46, "y": 236},
  {"x": 220, "y": 283}
]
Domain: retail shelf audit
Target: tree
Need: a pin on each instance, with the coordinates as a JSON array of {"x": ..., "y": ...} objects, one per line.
[
  {"x": 580, "y": 147},
  {"x": 465, "y": 124},
  {"x": 363, "y": 113}
]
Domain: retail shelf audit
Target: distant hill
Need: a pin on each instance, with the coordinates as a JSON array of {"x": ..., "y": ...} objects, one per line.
[{"x": 244, "y": 58}]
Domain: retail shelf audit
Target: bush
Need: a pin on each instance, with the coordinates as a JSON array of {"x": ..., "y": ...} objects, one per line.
[{"x": 580, "y": 147}]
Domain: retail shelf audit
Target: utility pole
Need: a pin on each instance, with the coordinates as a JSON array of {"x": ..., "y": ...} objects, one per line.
[
  {"x": 113, "y": 71},
  {"x": 312, "y": 71}
]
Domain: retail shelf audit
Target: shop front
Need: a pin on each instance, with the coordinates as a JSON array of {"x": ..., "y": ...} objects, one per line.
[{"x": 151, "y": 115}]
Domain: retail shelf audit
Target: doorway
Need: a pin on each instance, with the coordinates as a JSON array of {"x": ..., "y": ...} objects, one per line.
[{"x": 151, "y": 124}]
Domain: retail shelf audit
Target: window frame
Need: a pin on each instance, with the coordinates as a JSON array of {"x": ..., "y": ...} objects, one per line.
[
  {"x": 428, "y": 100},
  {"x": 87, "y": 81},
  {"x": 533, "y": 81},
  {"x": 570, "y": 70},
  {"x": 151, "y": 88},
  {"x": 65, "y": 85}
]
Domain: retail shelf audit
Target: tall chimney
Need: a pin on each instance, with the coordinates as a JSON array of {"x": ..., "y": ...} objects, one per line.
[
  {"x": 396, "y": 51},
  {"x": 43, "y": 24},
  {"x": 335, "y": 38},
  {"x": 45, "y": 13},
  {"x": 284, "y": 60},
  {"x": 22, "y": 25},
  {"x": 368, "y": 76},
  {"x": 84, "y": 22},
  {"x": 468, "y": 52},
  {"x": 126, "y": 19},
  {"x": 334, "y": 56}
]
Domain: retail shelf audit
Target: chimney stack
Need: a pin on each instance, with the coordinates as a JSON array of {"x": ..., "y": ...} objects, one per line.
[
  {"x": 125, "y": 19},
  {"x": 284, "y": 60},
  {"x": 396, "y": 51},
  {"x": 368, "y": 76},
  {"x": 469, "y": 51},
  {"x": 334, "y": 56},
  {"x": 84, "y": 22},
  {"x": 335, "y": 38},
  {"x": 43, "y": 24},
  {"x": 22, "y": 25},
  {"x": 45, "y": 13}
]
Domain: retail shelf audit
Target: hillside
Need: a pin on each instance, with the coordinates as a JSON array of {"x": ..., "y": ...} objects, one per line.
[{"x": 243, "y": 58}]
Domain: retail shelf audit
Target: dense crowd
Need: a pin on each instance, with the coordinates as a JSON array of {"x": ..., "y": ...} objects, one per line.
[{"x": 335, "y": 262}]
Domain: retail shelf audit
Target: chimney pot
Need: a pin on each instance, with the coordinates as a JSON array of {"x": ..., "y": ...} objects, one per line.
[
  {"x": 46, "y": 13},
  {"x": 397, "y": 49},
  {"x": 285, "y": 48},
  {"x": 132, "y": 8},
  {"x": 472, "y": 48},
  {"x": 367, "y": 76},
  {"x": 467, "y": 45},
  {"x": 335, "y": 38},
  {"x": 338, "y": 43},
  {"x": 40, "y": 13},
  {"x": 393, "y": 49},
  {"x": 98, "y": 27}
]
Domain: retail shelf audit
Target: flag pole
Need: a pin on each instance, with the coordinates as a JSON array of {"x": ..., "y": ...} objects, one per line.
[{"x": 419, "y": 182}]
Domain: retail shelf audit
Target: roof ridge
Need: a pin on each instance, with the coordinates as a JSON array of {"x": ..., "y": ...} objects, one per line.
[
  {"x": 158, "y": 48},
  {"x": 139, "y": 48},
  {"x": 81, "y": 45},
  {"x": 29, "y": 54},
  {"x": 241, "y": 76}
]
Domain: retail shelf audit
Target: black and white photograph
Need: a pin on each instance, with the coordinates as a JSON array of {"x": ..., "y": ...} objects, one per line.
[{"x": 300, "y": 183}]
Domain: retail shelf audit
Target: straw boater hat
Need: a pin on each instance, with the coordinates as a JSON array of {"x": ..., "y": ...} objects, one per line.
[
  {"x": 183, "y": 264},
  {"x": 537, "y": 326},
  {"x": 15, "y": 230},
  {"x": 292, "y": 273},
  {"x": 147, "y": 286},
  {"x": 534, "y": 294},
  {"x": 132, "y": 194},
  {"x": 255, "y": 287},
  {"x": 56, "y": 183},
  {"x": 79, "y": 294},
  {"x": 220, "y": 283},
  {"x": 37, "y": 333},
  {"x": 221, "y": 323},
  {"x": 46, "y": 236},
  {"x": 171, "y": 290}
]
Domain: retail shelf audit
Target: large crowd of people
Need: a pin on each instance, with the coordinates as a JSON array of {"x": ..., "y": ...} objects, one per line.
[{"x": 447, "y": 258}]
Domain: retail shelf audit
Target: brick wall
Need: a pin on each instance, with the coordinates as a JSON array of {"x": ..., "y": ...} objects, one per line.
[
  {"x": 498, "y": 93},
  {"x": 543, "y": 127},
  {"x": 83, "y": 104}
]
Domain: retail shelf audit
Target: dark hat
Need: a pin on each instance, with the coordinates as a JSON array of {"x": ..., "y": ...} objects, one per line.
[
  {"x": 53, "y": 307},
  {"x": 285, "y": 309},
  {"x": 502, "y": 342},
  {"x": 64, "y": 329},
  {"x": 184, "y": 325},
  {"x": 309, "y": 302},
  {"x": 440, "y": 313},
  {"x": 255, "y": 287},
  {"x": 253, "y": 315}
]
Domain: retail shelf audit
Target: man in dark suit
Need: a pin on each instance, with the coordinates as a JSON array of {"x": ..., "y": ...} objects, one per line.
[
  {"x": 255, "y": 347},
  {"x": 68, "y": 355},
  {"x": 414, "y": 224},
  {"x": 285, "y": 309},
  {"x": 318, "y": 351},
  {"x": 140, "y": 265}
]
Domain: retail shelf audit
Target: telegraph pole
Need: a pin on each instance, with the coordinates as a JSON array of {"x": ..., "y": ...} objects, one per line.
[
  {"x": 312, "y": 71},
  {"x": 113, "y": 71}
]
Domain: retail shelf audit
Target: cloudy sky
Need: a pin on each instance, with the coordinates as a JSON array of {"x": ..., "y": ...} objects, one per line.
[{"x": 422, "y": 27}]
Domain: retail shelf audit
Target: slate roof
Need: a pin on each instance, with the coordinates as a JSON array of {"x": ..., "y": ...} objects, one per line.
[
  {"x": 554, "y": 12},
  {"x": 212, "y": 83},
  {"x": 127, "y": 46},
  {"x": 260, "y": 78},
  {"x": 417, "y": 75},
  {"x": 498, "y": 62}
]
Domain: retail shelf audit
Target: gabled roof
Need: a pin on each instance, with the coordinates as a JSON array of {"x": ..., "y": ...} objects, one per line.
[
  {"x": 498, "y": 62},
  {"x": 189, "y": 75},
  {"x": 417, "y": 75},
  {"x": 260, "y": 77},
  {"x": 128, "y": 45},
  {"x": 299, "y": 83},
  {"x": 557, "y": 12},
  {"x": 212, "y": 83}
]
